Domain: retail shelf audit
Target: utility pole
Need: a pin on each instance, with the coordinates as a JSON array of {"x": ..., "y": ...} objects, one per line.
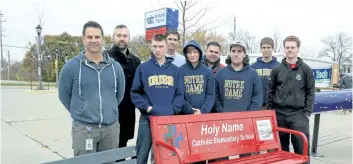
[
  {"x": 2, "y": 57},
  {"x": 8, "y": 65},
  {"x": 234, "y": 28}
]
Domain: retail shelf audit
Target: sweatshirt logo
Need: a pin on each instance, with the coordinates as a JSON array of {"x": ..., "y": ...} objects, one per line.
[
  {"x": 298, "y": 77},
  {"x": 265, "y": 72},
  {"x": 233, "y": 89},
  {"x": 194, "y": 84},
  {"x": 161, "y": 81}
]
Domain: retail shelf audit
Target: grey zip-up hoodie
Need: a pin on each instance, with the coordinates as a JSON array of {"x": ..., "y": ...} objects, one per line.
[{"x": 92, "y": 96}]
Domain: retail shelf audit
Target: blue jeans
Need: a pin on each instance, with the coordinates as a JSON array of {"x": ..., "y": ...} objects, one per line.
[{"x": 144, "y": 141}]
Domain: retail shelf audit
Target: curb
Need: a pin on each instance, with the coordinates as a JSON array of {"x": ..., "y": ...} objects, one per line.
[{"x": 41, "y": 91}]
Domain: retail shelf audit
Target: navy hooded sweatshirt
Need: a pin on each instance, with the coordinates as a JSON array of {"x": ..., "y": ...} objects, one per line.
[
  {"x": 158, "y": 86},
  {"x": 198, "y": 84},
  {"x": 264, "y": 69},
  {"x": 237, "y": 90}
]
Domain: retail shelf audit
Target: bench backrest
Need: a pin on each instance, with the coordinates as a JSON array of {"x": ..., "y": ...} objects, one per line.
[
  {"x": 214, "y": 135},
  {"x": 102, "y": 157}
]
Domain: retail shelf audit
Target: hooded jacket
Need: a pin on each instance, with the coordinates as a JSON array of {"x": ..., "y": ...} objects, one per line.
[
  {"x": 92, "y": 96},
  {"x": 264, "y": 69},
  {"x": 237, "y": 90},
  {"x": 291, "y": 90},
  {"x": 198, "y": 84},
  {"x": 345, "y": 82},
  {"x": 158, "y": 86}
]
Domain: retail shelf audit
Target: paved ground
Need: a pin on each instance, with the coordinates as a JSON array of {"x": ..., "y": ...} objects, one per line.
[
  {"x": 35, "y": 128},
  {"x": 22, "y": 82}
]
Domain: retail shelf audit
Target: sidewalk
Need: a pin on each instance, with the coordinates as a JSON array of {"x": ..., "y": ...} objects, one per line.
[{"x": 36, "y": 133}]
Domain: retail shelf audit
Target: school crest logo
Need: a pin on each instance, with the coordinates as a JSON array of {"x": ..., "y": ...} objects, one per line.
[{"x": 298, "y": 77}]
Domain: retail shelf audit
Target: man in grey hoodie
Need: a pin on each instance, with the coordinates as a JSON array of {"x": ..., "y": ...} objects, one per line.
[{"x": 91, "y": 86}]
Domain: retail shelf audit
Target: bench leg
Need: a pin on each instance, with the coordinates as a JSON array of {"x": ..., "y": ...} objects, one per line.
[{"x": 316, "y": 136}]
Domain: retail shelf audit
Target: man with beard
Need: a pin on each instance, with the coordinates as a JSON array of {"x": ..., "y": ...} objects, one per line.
[{"x": 129, "y": 62}]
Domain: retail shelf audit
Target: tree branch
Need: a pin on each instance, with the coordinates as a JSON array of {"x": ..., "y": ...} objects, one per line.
[
  {"x": 178, "y": 5},
  {"x": 200, "y": 11},
  {"x": 190, "y": 5},
  {"x": 206, "y": 30},
  {"x": 197, "y": 21}
]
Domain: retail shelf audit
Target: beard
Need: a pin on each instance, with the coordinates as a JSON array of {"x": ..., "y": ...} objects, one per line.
[{"x": 121, "y": 46}]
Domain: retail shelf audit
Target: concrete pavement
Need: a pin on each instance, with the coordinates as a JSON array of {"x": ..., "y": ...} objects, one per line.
[{"x": 35, "y": 128}]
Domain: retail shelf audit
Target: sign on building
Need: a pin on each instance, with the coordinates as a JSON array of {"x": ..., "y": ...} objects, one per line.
[
  {"x": 322, "y": 77},
  {"x": 160, "y": 21}
]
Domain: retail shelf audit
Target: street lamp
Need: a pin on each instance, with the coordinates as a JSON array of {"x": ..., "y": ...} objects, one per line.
[
  {"x": 39, "y": 56},
  {"x": 49, "y": 65},
  {"x": 56, "y": 67}
]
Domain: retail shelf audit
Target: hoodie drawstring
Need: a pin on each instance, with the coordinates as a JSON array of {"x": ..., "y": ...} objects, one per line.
[
  {"x": 79, "y": 79},
  {"x": 114, "y": 76}
]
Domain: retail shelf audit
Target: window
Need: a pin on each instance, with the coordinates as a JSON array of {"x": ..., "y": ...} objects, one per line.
[{"x": 349, "y": 69}]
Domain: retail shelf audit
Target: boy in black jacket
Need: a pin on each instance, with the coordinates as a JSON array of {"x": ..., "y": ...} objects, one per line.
[{"x": 291, "y": 92}]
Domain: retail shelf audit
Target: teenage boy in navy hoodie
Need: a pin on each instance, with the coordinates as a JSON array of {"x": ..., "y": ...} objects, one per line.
[
  {"x": 264, "y": 64},
  {"x": 198, "y": 81},
  {"x": 157, "y": 90},
  {"x": 238, "y": 86}
]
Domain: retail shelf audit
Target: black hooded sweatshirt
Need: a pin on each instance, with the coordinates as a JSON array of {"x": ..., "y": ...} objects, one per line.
[{"x": 291, "y": 88}]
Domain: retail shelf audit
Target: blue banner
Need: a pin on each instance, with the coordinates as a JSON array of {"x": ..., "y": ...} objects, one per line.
[{"x": 333, "y": 100}]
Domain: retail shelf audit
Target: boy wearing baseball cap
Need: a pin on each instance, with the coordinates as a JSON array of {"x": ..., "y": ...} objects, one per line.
[{"x": 238, "y": 86}]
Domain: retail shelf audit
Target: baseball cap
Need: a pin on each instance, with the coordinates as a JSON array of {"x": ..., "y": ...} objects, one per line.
[{"x": 238, "y": 43}]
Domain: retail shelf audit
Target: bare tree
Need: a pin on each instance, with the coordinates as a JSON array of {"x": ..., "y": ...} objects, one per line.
[
  {"x": 308, "y": 52},
  {"x": 138, "y": 46},
  {"x": 203, "y": 38},
  {"x": 249, "y": 40},
  {"x": 191, "y": 19},
  {"x": 277, "y": 41},
  {"x": 338, "y": 47}
]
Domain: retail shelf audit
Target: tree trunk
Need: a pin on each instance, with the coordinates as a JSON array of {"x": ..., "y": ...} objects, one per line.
[{"x": 184, "y": 28}]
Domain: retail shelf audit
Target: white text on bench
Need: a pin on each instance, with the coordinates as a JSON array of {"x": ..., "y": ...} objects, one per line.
[
  {"x": 205, "y": 129},
  {"x": 220, "y": 140}
]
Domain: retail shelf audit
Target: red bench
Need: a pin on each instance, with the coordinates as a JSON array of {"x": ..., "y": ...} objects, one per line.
[{"x": 191, "y": 138}]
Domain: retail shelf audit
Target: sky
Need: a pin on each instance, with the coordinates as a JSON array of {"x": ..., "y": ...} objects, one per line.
[{"x": 310, "y": 20}]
